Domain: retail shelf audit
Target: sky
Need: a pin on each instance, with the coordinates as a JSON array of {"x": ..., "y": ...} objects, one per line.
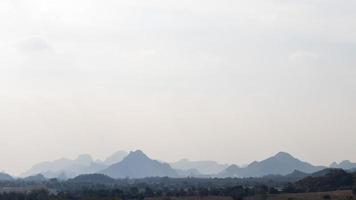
[{"x": 226, "y": 80}]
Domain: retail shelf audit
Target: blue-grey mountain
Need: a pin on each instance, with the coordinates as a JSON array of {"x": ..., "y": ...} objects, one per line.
[
  {"x": 138, "y": 165},
  {"x": 35, "y": 178},
  {"x": 84, "y": 164},
  {"x": 346, "y": 164},
  {"x": 282, "y": 164},
  {"x": 93, "y": 178},
  {"x": 204, "y": 167},
  {"x": 5, "y": 177}
]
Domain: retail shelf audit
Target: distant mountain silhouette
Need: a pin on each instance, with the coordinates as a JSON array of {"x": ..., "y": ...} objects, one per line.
[
  {"x": 346, "y": 164},
  {"x": 297, "y": 175},
  {"x": 231, "y": 171},
  {"x": 324, "y": 172},
  {"x": 188, "y": 173},
  {"x": 326, "y": 180},
  {"x": 282, "y": 164},
  {"x": 289, "y": 178},
  {"x": 5, "y": 177},
  {"x": 35, "y": 178},
  {"x": 93, "y": 178},
  {"x": 84, "y": 164},
  {"x": 204, "y": 167},
  {"x": 115, "y": 158},
  {"x": 138, "y": 165}
]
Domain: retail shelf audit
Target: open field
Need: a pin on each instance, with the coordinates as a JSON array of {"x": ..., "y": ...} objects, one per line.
[{"x": 334, "y": 195}]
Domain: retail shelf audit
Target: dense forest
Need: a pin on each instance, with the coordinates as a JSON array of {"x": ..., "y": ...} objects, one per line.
[{"x": 96, "y": 186}]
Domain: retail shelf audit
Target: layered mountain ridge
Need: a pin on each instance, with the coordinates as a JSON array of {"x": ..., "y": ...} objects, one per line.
[
  {"x": 137, "y": 164},
  {"x": 280, "y": 164}
]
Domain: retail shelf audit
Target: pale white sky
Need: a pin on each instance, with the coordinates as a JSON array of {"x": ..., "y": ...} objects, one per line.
[{"x": 226, "y": 80}]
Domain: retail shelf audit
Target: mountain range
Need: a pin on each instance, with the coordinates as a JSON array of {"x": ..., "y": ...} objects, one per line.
[
  {"x": 67, "y": 168},
  {"x": 203, "y": 167},
  {"x": 282, "y": 163},
  {"x": 138, "y": 165},
  {"x": 346, "y": 164}
]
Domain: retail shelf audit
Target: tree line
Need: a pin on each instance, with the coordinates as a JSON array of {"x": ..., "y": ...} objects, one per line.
[{"x": 126, "y": 189}]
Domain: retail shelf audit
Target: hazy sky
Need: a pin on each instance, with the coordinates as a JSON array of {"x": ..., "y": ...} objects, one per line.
[{"x": 226, "y": 80}]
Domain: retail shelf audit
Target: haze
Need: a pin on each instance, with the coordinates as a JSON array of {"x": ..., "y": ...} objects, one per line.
[{"x": 226, "y": 80}]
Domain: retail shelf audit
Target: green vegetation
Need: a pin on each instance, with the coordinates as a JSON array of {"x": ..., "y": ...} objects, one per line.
[
  {"x": 101, "y": 187},
  {"x": 331, "y": 195},
  {"x": 334, "y": 179},
  {"x": 334, "y": 195}
]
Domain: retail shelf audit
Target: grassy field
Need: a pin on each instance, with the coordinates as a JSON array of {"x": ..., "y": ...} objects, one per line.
[{"x": 335, "y": 195}]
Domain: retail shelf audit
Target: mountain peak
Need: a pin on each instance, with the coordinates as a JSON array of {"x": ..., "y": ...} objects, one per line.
[
  {"x": 333, "y": 165},
  {"x": 282, "y": 163},
  {"x": 283, "y": 155},
  {"x": 138, "y": 165},
  {"x": 136, "y": 156},
  {"x": 232, "y": 167},
  {"x": 137, "y": 153}
]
